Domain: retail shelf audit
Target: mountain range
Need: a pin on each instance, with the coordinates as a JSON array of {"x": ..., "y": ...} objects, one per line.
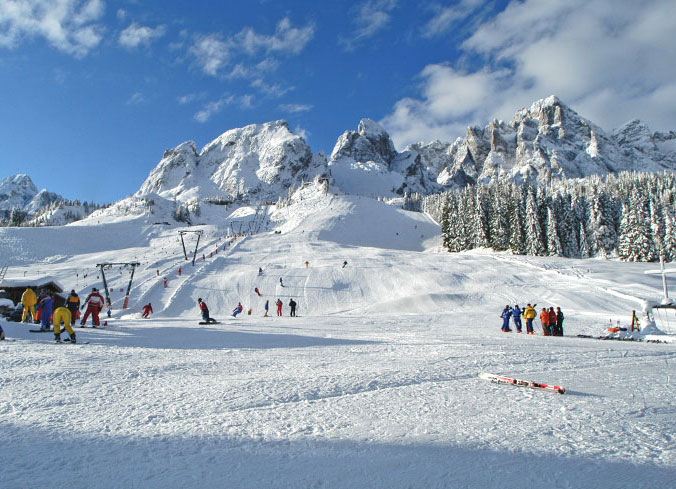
[{"x": 263, "y": 162}]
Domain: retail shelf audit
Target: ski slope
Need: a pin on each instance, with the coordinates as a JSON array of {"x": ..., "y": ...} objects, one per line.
[{"x": 374, "y": 385}]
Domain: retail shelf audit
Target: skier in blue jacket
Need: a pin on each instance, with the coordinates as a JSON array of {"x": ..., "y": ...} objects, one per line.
[
  {"x": 506, "y": 314},
  {"x": 516, "y": 315},
  {"x": 237, "y": 310},
  {"x": 45, "y": 306}
]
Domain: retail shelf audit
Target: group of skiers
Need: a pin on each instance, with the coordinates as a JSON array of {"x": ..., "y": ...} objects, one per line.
[
  {"x": 43, "y": 309},
  {"x": 552, "y": 321}
]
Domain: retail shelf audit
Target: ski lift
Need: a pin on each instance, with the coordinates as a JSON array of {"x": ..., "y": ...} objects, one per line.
[{"x": 664, "y": 313}]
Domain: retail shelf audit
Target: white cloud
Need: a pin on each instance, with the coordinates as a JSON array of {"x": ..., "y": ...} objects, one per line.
[
  {"x": 190, "y": 97},
  {"x": 136, "y": 35},
  {"x": 271, "y": 90},
  {"x": 446, "y": 18},
  {"x": 216, "y": 106},
  {"x": 611, "y": 60},
  {"x": 136, "y": 98},
  {"x": 68, "y": 25},
  {"x": 213, "y": 53},
  {"x": 295, "y": 108},
  {"x": 372, "y": 16},
  {"x": 121, "y": 14}
]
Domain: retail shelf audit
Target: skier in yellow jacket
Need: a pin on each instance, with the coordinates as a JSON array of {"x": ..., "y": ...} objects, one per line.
[
  {"x": 62, "y": 314},
  {"x": 28, "y": 300},
  {"x": 530, "y": 314}
]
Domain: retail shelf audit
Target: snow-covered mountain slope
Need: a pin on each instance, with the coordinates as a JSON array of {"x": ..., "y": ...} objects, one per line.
[
  {"x": 365, "y": 162},
  {"x": 551, "y": 140},
  {"x": 16, "y": 191},
  {"x": 258, "y": 162},
  {"x": 373, "y": 385}
]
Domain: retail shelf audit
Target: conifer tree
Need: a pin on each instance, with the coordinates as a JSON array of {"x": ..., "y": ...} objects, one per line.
[
  {"x": 533, "y": 231},
  {"x": 553, "y": 242}
]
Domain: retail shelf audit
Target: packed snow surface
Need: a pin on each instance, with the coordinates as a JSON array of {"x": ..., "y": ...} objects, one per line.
[{"x": 374, "y": 385}]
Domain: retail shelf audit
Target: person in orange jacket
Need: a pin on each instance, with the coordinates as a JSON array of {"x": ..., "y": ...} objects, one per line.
[
  {"x": 544, "y": 317},
  {"x": 552, "y": 321}
]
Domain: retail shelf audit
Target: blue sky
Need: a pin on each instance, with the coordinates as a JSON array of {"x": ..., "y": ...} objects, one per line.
[{"x": 93, "y": 91}]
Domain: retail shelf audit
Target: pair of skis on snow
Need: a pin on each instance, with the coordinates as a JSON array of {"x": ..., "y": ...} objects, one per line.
[{"x": 499, "y": 379}]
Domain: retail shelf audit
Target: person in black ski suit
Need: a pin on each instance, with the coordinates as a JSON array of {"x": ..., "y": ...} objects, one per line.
[
  {"x": 558, "y": 329},
  {"x": 292, "y": 305},
  {"x": 506, "y": 314}
]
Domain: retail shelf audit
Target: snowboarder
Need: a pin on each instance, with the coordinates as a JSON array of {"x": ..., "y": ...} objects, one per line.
[
  {"x": 544, "y": 317},
  {"x": 257, "y": 292},
  {"x": 279, "y": 307},
  {"x": 94, "y": 303},
  {"x": 73, "y": 305},
  {"x": 529, "y": 313},
  {"x": 260, "y": 272},
  {"x": 344, "y": 263},
  {"x": 62, "y": 314},
  {"x": 516, "y": 315},
  {"x": 28, "y": 300},
  {"x": 552, "y": 321},
  {"x": 281, "y": 282},
  {"x": 147, "y": 309},
  {"x": 559, "y": 322},
  {"x": 45, "y": 307},
  {"x": 292, "y": 305},
  {"x": 506, "y": 314},
  {"x": 205, "y": 311},
  {"x": 267, "y": 306},
  {"x": 237, "y": 309}
]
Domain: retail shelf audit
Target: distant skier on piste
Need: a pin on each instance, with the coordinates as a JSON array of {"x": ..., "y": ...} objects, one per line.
[
  {"x": 267, "y": 306},
  {"x": 260, "y": 272},
  {"x": 147, "y": 310},
  {"x": 344, "y": 264},
  {"x": 258, "y": 293},
  {"x": 281, "y": 282},
  {"x": 278, "y": 303},
  {"x": 292, "y": 305},
  {"x": 506, "y": 314},
  {"x": 237, "y": 309},
  {"x": 204, "y": 309}
]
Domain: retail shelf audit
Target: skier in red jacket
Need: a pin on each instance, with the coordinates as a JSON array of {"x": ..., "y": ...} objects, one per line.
[
  {"x": 147, "y": 309},
  {"x": 279, "y": 307},
  {"x": 94, "y": 303}
]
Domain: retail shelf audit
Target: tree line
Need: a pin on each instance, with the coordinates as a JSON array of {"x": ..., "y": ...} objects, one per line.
[{"x": 628, "y": 215}]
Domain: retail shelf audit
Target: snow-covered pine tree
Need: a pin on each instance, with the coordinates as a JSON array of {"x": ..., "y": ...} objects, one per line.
[
  {"x": 516, "y": 238},
  {"x": 481, "y": 221},
  {"x": 533, "y": 232},
  {"x": 553, "y": 242},
  {"x": 669, "y": 234},
  {"x": 499, "y": 225}
]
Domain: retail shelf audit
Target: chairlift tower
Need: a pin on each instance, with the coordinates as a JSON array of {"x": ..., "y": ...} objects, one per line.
[
  {"x": 106, "y": 266},
  {"x": 199, "y": 235},
  {"x": 667, "y": 304}
]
